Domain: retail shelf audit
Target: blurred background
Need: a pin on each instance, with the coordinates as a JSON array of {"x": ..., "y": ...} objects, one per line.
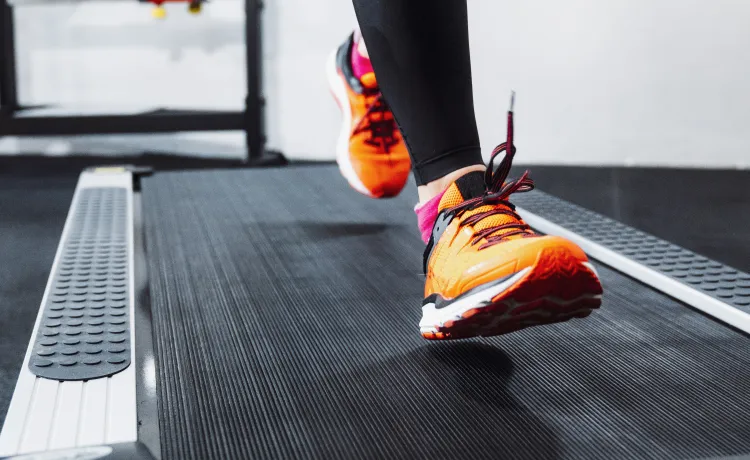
[{"x": 622, "y": 82}]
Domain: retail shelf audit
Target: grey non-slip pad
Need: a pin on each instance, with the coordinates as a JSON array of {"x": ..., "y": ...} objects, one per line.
[
  {"x": 717, "y": 280},
  {"x": 85, "y": 331}
]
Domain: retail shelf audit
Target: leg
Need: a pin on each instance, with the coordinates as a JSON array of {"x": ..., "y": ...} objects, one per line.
[
  {"x": 487, "y": 272},
  {"x": 421, "y": 55},
  {"x": 370, "y": 151}
]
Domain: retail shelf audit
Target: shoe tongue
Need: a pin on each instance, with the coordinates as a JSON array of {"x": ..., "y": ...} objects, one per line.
[
  {"x": 368, "y": 80},
  {"x": 468, "y": 186}
]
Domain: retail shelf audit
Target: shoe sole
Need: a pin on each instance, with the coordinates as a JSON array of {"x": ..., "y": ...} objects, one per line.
[
  {"x": 556, "y": 288},
  {"x": 343, "y": 159}
]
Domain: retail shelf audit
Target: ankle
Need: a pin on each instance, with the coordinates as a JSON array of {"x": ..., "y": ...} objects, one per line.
[
  {"x": 432, "y": 189},
  {"x": 361, "y": 46},
  {"x": 360, "y": 60}
]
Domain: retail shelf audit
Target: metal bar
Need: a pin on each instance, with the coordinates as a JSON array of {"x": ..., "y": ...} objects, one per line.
[
  {"x": 48, "y": 413},
  {"x": 67, "y": 416},
  {"x": 121, "y": 124},
  {"x": 254, "y": 102},
  {"x": 680, "y": 291},
  {"x": 8, "y": 86},
  {"x": 92, "y": 425},
  {"x": 145, "y": 383}
]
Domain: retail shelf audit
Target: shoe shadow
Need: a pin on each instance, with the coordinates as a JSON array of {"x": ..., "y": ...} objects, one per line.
[
  {"x": 448, "y": 400},
  {"x": 318, "y": 231},
  {"x": 482, "y": 374},
  {"x": 312, "y": 231},
  {"x": 473, "y": 363}
]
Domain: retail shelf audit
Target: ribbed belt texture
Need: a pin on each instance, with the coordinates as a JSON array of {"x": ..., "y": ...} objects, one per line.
[{"x": 285, "y": 318}]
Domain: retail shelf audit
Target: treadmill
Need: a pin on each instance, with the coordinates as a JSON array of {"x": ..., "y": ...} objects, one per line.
[{"x": 273, "y": 313}]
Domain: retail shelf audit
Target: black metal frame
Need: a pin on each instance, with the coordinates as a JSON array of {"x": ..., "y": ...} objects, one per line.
[{"x": 251, "y": 120}]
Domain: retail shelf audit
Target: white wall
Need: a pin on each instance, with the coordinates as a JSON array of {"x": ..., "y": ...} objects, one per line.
[
  {"x": 647, "y": 82},
  {"x": 113, "y": 56},
  {"x": 644, "y": 82}
]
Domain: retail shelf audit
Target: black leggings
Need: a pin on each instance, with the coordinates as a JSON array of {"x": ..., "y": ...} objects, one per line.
[{"x": 420, "y": 52}]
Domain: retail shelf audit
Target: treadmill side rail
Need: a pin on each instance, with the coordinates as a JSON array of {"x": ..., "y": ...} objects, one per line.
[
  {"x": 719, "y": 291},
  {"x": 121, "y": 451},
  {"x": 67, "y": 411}
]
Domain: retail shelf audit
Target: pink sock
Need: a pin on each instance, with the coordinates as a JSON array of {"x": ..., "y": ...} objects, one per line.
[
  {"x": 426, "y": 215},
  {"x": 360, "y": 64}
]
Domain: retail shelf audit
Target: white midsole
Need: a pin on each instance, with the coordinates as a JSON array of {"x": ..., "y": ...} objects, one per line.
[
  {"x": 343, "y": 158},
  {"x": 591, "y": 267},
  {"x": 434, "y": 318}
]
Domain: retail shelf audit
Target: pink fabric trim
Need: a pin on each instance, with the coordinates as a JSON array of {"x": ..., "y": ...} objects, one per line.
[
  {"x": 360, "y": 64},
  {"x": 426, "y": 215}
]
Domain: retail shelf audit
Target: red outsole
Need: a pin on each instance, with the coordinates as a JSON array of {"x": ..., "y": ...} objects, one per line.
[{"x": 558, "y": 287}]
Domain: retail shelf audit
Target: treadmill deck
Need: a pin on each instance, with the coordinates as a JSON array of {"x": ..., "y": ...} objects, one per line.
[{"x": 285, "y": 310}]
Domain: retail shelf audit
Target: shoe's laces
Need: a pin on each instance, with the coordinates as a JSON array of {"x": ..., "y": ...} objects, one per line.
[
  {"x": 379, "y": 122},
  {"x": 497, "y": 192}
]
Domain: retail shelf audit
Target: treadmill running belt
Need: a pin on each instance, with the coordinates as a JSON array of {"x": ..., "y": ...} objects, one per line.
[{"x": 285, "y": 319}]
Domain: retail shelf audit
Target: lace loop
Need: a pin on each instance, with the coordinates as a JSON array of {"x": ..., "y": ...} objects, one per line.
[
  {"x": 378, "y": 121},
  {"x": 497, "y": 192}
]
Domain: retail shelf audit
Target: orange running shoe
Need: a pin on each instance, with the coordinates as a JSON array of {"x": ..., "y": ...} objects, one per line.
[
  {"x": 371, "y": 153},
  {"x": 488, "y": 273}
]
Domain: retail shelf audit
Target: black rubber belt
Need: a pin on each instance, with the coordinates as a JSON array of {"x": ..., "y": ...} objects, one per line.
[{"x": 285, "y": 315}]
